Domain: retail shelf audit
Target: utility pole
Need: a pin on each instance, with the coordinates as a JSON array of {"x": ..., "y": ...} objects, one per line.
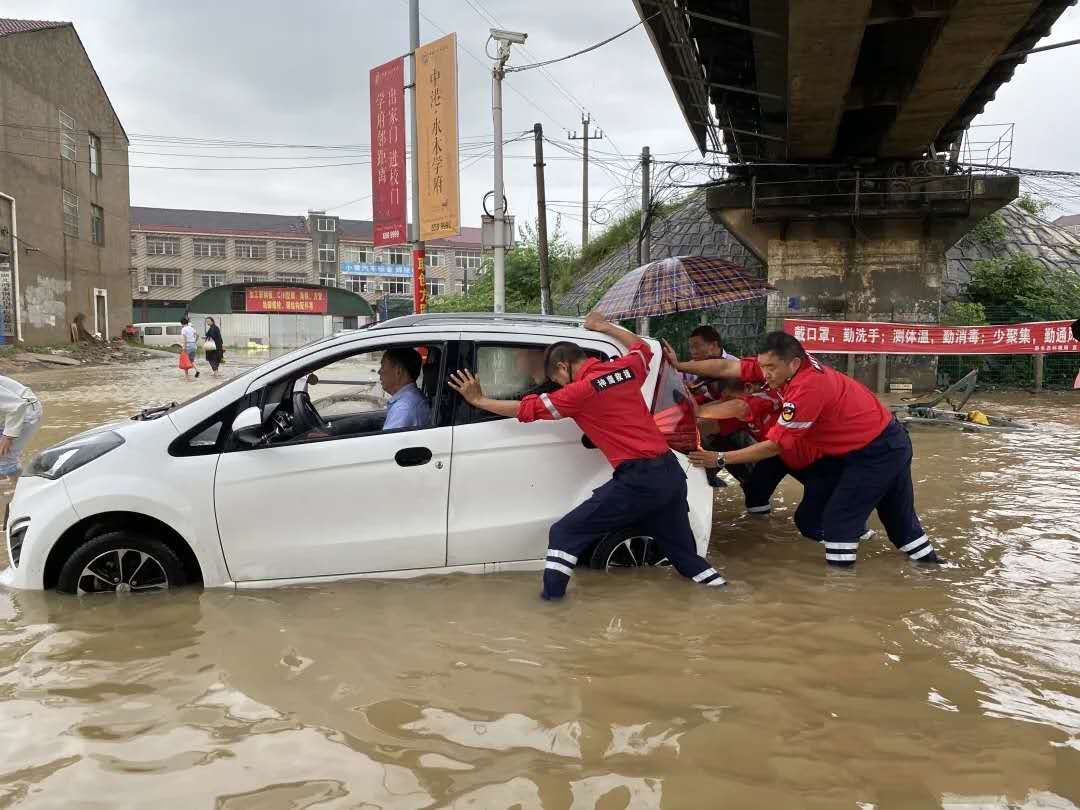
[
  {"x": 541, "y": 223},
  {"x": 585, "y": 137},
  {"x": 417, "y": 243},
  {"x": 504, "y": 39},
  {"x": 644, "y": 248}
]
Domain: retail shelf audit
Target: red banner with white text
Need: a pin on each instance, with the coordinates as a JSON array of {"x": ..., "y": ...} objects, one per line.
[
  {"x": 388, "y": 153},
  {"x": 871, "y": 337},
  {"x": 285, "y": 300}
]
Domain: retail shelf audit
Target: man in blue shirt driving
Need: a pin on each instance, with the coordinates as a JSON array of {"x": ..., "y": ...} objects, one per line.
[{"x": 398, "y": 372}]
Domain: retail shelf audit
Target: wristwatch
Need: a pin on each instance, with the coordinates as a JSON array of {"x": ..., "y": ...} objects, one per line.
[{"x": 720, "y": 460}]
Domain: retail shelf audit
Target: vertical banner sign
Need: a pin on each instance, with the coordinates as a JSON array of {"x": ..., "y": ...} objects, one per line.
[
  {"x": 419, "y": 289},
  {"x": 388, "y": 153},
  {"x": 437, "y": 138}
]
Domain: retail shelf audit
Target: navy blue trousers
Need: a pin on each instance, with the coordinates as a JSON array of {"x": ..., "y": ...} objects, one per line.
[
  {"x": 818, "y": 480},
  {"x": 876, "y": 477},
  {"x": 648, "y": 495}
]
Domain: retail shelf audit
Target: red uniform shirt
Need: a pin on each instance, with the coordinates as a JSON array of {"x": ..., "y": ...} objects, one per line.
[
  {"x": 764, "y": 412},
  {"x": 828, "y": 411},
  {"x": 605, "y": 400}
]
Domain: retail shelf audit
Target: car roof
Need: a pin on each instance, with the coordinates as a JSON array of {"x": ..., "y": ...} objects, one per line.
[{"x": 504, "y": 322}]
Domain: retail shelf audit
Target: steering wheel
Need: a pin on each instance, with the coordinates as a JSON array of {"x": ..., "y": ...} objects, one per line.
[{"x": 305, "y": 417}]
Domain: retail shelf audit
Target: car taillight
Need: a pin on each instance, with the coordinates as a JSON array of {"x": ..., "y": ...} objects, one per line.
[{"x": 675, "y": 411}]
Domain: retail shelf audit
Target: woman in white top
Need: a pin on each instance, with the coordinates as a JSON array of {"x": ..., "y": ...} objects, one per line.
[{"x": 21, "y": 414}]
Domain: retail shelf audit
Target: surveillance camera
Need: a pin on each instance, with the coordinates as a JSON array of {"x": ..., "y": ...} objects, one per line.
[{"x": 513, "y": 37}]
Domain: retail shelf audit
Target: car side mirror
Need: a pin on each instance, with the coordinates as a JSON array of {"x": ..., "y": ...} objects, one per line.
[{"x": 247, "y": 426}]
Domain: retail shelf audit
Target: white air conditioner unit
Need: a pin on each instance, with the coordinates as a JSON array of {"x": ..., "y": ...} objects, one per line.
[{"x": 144, "y": 290}]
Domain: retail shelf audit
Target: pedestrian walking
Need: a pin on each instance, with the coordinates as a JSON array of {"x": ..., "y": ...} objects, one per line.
[
  {"x": 213, "y": 346},
  {"x": 190, "y": 343},
  {"x": 21, "y": 413},
  {"x": 648, "y": 489},
  {"x": 825, "y": 411}
]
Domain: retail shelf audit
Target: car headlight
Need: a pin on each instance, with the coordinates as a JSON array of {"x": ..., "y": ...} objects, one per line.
[{"x": 70, "y": 455}]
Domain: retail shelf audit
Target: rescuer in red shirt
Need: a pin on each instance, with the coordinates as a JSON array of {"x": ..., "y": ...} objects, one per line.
[
  {"x": 825, "y": 411},
  {"x": 648, "y": 490}
]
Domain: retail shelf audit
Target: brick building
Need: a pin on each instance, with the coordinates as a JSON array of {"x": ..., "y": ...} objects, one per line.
[
  {"x": 63, "y": 189},
  {"x": 176, "y": 254}
]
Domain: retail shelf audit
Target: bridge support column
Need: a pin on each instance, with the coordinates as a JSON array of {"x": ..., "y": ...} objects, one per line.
[{"x": 883, "y": 267}]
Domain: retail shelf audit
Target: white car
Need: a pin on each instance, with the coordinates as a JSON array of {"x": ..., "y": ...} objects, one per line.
[{"x": 283, "y": 475}]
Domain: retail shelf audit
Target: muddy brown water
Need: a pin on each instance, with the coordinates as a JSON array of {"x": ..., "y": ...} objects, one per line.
[{"x": 886, "y": 687}]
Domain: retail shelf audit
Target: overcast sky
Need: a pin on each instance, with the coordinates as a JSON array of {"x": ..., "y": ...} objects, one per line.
[{"x": 297, "y": 73}]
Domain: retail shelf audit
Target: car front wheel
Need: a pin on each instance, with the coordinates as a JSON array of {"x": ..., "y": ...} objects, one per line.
[
  {"x": 121, "y": 562},
  {"x": 627, "y": 548}
]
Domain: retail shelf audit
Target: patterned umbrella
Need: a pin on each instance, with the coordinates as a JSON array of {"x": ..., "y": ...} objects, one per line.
[{"x": 679, "y": 284}]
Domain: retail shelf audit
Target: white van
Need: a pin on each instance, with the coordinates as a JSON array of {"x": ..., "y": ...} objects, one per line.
[{"x": 165, "y": 334}]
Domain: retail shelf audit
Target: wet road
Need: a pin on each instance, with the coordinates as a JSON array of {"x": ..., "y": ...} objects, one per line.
[{"x": 886, "y": 687}]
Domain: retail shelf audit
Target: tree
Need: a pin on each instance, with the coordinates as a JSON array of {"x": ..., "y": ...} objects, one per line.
[
  {"x": 522, "y": 276},
  {"x": 1018, "y": 288}
]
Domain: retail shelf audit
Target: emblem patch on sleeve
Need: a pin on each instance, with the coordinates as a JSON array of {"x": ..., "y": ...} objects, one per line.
[
  {"x": 787, "y": 412},
  {"x": 611, "y": 380}
]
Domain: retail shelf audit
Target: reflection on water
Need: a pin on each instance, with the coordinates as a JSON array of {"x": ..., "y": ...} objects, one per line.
[{"x": 890, "y": 686}]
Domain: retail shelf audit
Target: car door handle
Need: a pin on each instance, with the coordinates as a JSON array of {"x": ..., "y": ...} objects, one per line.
[{"x": 412, "y": 456}]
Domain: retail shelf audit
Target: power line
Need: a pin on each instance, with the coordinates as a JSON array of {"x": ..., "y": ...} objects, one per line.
[{"x": 534, "y": 65}]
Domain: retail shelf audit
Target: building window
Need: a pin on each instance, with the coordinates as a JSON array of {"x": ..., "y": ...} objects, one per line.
[
  {"x": 97, "y": 224},
  {"x": 95, "y": 155},
  {"x": 290, "y": 251},
  {"x": 436, "y": 286},
  {"x": 327, "y": 279},
  {"x": 162, "y": 278},
  {"x": 292, "y": 278},
  {"x": 356, "y": 254},
  {"x": 71, "y": 213},
  {"x": 68, "y": 149},
  {"x": 462, "y": 288},
  {"x": 327, "y": 253},
  {"x": 327, "y": 225},
  {"x": 209, "y": 248},
  {"x": 356, "y": 284},
  {"x": 398, "y": 286},
  {"x": 433, "y": 258},
  {"x": 250, "y": 249},
  {"x": 395, "y": 256},
  {"x": 469, "y": 260},
  {"x": 208, "y": 280},
  {"x": 252, "y": 278},
  {"x": 134, "y": 245},
  {"x": 162, "y": 246}
]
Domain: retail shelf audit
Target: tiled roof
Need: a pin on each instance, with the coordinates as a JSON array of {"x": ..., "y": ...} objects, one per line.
[
  {"x": 688, "y": 231},
  {"x": 1072, "y": 222},
  {"x": 238, "y": 223},
  {"x": 9, "y": 26},
  {"x": 232, "y": 223},
  {"x": 1048, "y": 242}
]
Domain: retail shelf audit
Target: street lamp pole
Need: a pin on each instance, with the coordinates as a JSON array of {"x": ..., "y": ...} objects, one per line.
[{"x": 504, "y": 39}]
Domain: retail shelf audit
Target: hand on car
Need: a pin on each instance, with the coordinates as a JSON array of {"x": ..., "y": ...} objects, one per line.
[
  {"x": 595, "y": 322},
  {"x": 467, "y": 385},
  {"x": 670, "y": 354},
  {"x": 703, "y": 458}
]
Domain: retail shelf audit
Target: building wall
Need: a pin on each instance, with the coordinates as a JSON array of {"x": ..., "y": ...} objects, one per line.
[
  {"x": 191, "y": 268},
  {"x": 41, "y": 73}
]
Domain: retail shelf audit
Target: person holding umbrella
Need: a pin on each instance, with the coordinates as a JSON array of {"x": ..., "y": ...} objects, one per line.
[{"x": 648, "y": 489}]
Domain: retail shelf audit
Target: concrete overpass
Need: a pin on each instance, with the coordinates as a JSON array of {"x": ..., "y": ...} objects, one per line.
[{"x": 843, "y": 122}]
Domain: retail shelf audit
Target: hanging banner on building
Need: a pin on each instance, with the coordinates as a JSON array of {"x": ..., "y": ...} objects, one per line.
[
  {"x": 285, "y": 300},
  {"x": 419, "y": 287},
  {"x": 869, "y": 337},
  {"x": 388, "y": 153},
  {"x": 437, "y": 138}
]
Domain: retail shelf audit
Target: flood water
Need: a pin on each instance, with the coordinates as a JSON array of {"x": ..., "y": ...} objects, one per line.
[{"x": 889, "y": 686}]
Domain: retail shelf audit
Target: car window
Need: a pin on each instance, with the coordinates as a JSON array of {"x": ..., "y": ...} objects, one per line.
[
  {"x": 510, "y": 371},
  {"x": 674, "y": 411},
  {"x": 152, "y": 330},
  {"x": 172, "y": 330},
  {"x": 348, "y": 387}
]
